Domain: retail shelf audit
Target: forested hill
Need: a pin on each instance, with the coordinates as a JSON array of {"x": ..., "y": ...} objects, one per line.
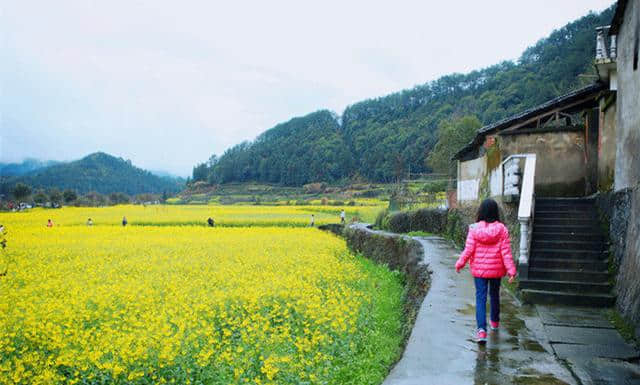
[
  {"x": 381, "y": 138},
  {"x": 310, "y": 148},
  {"x": 98, "y": 172}
]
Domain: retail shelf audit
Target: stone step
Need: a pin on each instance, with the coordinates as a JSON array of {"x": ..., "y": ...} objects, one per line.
[
  {"x": 563, "y": 298},
  {"x": 566, "y": 204},
  {"x": 580, "y": 222},
  {"x": 566, "y": 263},
  {"x": 565, "y": 229},
  {"x": 543, "y": 236},
  {"x": 565, "y": 208},
  {"x": 591, "y": 255},
  {"x": 566, "y": 214},
  {"x": 569, "y": 275},
  {"x": 567, "y": 245},
  {"x": 565, "y": 286},
  {"x": 572, "y": 200}
]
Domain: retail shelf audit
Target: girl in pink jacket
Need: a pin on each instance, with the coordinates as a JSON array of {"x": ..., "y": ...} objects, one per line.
[{"x": 488, "y": 251}]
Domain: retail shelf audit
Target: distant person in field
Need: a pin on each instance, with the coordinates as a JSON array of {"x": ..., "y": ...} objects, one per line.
[
  {"x": 89, "y": 222},
  {"x": 342, "y": 216},
  {"x": 313, "y": 220},
  {"x": 124, "y": 221},
  {"x": 49, "y": 223},
  {"x": 1, "y": 229},
  {"x": 210, "y": 222}
]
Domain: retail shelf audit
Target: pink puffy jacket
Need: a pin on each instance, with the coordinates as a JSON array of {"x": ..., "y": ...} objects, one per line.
[{"x": 488, "y": 251}]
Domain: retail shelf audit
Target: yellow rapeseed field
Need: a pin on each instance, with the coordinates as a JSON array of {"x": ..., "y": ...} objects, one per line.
[
  {"x": 189, "y": 304},
  {"x": 177, "y": 215}
]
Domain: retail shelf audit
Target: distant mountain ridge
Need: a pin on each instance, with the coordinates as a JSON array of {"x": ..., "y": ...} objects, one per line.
[
  {"x": 384, "y": 138},
  {"x": 98, "y": 172},
  {"x": 26, "y": 166}
]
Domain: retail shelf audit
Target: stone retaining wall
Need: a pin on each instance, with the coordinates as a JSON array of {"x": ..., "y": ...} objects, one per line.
[
  {"x": 400, "y": 253},
  {"x": 620, "y": 213},
  {"x": 335, "y": 228}
]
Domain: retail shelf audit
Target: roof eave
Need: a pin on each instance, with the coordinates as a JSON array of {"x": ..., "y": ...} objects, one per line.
[
  {"x": 618, "y": 17},
  {"x": 527, "y": 114}
]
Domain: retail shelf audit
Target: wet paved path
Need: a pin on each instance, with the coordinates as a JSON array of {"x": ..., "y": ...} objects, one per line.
[
  {"x": 590, "y": 345},
  {"x": 441, "y": 349}
]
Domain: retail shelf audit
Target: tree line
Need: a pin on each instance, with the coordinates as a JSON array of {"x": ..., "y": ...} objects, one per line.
[{"x": 23, "y": 193}]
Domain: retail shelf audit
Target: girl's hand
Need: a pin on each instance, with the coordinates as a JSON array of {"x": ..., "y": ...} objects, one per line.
[{"x": 512, "y": 278}]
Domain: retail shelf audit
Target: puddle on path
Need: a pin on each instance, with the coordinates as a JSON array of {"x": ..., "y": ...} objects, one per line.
[
  {"x": 512, "y": 355},
  {"x": 545, "y": 379},
  {"x": 467, "y": 310},
  {"x": 494, "y": 366},
  {"x": 532, "y": 345}
]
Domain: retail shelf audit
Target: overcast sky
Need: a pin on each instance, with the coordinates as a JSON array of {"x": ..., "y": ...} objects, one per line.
[{"x": 168, "y": 83}]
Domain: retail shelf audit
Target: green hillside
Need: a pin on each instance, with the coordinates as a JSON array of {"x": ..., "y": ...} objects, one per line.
[
  {"x": 379, "y": 139},
  {"x": 96, "y": 172}
]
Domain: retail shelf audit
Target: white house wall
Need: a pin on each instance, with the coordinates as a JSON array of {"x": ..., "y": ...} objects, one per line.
[
  {"x": 468, "y": 190},
  {"x": 495, "y": 182},
  {"x": 470, "y": 174}
]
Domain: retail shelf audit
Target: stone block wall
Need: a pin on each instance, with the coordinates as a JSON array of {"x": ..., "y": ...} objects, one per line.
[
  {"x": 335, "y": 228},
  {"x": 628, "y": 280},
  {"x": 400, "y": 253},
  {"x": 620, "y": 215}
]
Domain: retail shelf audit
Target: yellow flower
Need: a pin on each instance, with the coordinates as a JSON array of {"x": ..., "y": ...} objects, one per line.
[{"x": 105, "y": 300}]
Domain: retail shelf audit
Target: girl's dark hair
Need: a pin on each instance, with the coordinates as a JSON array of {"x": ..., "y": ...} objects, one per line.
[{"x": 488, "y": 211}]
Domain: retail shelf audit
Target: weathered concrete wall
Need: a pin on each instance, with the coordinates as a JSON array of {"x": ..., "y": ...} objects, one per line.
[
  {"x": 495, "y": 182},
  {"x": 620, "y": 209},
  {"x": 470, "y": 174},
  {"x": 627, "y": 171},
  {"x": 620, "y": 213},
  {"x": 482, "y": 177},
  {"x": 607, "y": 143},
  {"x": 560, "y": 164},
  {"x": 399, "y": 253}
]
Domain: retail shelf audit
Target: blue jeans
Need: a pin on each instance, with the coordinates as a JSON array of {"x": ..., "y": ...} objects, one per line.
[{"x": 493, "y": 284}]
